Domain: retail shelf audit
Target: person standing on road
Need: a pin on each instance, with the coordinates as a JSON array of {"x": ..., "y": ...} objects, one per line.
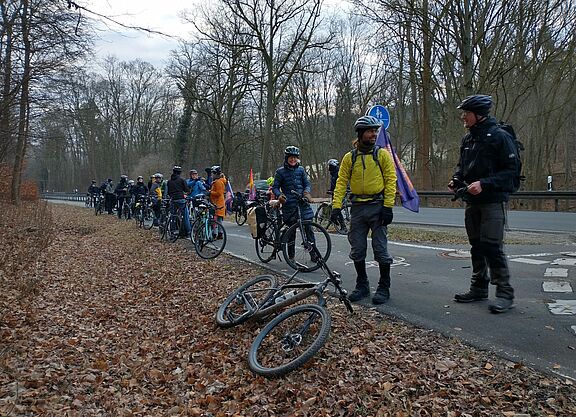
[
  {"x": 372, "y": 178},
  {"x": 289, "y": 178},
  {"x": 486, "y": 167},
  {"x": 122, "y": 194},
  {"x": 218, "y": 194}
]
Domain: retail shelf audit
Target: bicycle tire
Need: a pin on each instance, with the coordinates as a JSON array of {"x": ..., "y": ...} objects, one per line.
[
  {"x": 302, "y": 254},
  {"x": 226, "y": 318},
  {"x": 209, "y": 246},
  {"x": 265, "y": 350},
  {"x": 322, "y": 215},
  {"x": 147, "y": 218},
  {"x": 240, "y": 217},
  {"x": 266, "y": 248},
  {"x": 174, "y": 226}
]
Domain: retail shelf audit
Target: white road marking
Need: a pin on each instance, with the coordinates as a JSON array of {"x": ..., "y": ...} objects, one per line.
[
  {"x": 563, "y": 307},
  {"x": 553, "y": 286},
  {"x": 412, "y": 245},
  {"x": 556, "y": 272},
  {"x": 564, "y": 261},
  {"x": 573, "y": 329},
  {"x": 529, "y": 261},
  {"x": 569, "y": 254}
]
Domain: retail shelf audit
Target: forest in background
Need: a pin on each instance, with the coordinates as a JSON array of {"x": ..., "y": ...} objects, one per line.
[{"x": 261, "y": 75}]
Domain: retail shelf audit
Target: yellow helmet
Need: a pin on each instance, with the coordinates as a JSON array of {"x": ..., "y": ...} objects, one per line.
[{"x": 270, "y": 180}]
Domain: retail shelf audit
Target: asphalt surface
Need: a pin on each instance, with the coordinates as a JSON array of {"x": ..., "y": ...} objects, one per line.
[{"x": 425, "y": 279}]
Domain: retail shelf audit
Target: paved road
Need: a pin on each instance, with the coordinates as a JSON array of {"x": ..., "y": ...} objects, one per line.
[{"x": 425, "y": 278}]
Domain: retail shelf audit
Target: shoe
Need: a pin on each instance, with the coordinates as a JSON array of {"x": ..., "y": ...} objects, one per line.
[
  {"x": 381, "y": 295},
  {"x": 359, "y": 293},
  {"x": 220, "y": 236},
  {"x": 501, "y": 305},
  {"x": 471, "y": 296}
]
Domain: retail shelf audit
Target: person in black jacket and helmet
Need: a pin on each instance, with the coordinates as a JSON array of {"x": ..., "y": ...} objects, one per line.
[{"x": 487, "y": 165}]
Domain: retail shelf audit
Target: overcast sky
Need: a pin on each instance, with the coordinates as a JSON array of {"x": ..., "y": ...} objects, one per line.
[{"x": 159, "y": 15}]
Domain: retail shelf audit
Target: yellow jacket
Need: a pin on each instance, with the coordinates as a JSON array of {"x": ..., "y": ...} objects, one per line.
[{"x": 366, "y": 177}]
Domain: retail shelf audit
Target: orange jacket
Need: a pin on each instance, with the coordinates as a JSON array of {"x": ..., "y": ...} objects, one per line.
[{"x": 217, "y": 195}]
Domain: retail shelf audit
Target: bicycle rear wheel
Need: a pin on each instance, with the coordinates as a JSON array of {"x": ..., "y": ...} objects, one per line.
[
  {"x": 322, "y": 215},
  {"x": 174, "y": 226},
  {"x": 209, "y": 238},
  {"x": 266, "y": 246},
  {"x": 240, "y": 216},
  {"x": 241, "y": 304},
  {"x": 297, "y": 249},
  {"x": 290, "y": 340}
]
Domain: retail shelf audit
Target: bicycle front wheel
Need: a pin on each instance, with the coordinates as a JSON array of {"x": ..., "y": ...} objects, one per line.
[
  {"x": 147, "y": 218},
  {"x": 297, "y": 248},
  {"x": 209, "y": 238},
  {"x": 290, "y": 340},
  {"x": 243, "y": 302}
]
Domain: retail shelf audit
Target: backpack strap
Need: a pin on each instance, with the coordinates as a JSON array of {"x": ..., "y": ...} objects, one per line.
[{"x": 375, "y": 154}]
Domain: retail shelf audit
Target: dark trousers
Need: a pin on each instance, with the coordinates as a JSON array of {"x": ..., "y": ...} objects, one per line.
[
  {"x": 485, "y": 229},
  {"x": 109, "y": 200}
]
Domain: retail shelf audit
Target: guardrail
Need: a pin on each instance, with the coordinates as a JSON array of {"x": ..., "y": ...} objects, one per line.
[{"x": 555, "y": 196}]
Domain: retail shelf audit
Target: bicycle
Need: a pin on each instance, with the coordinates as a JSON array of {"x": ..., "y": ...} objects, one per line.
[
  {"x": 208, "y": 234},
  {"x": 324, "y": 212},
  {"x": 88, "y": 203},
  {"x": 295, "y": 242},
  {"x": 99, "y": 203},
  {"x": 294, "y": 336},
  {"x": 125, "y": 209},
  {"x": 240, "y": 209},
  {"x": 143, "y": 213}
]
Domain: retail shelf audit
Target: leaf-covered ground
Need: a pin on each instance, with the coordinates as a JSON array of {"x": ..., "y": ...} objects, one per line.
[{"x": 122, "y": 325}]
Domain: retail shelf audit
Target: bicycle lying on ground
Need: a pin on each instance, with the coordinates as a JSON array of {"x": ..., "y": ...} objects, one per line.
[
  {"x": 294, "y": 336},
  {"x": 295, "y": 242}
]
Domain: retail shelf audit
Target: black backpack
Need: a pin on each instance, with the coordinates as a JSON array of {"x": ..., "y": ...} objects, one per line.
[{"x": 518, "y": 147}]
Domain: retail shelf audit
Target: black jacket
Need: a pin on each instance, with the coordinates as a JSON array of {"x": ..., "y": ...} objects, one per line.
[
  {"x": 487, "y": 154},
  {"x": 177, "y": 187}
]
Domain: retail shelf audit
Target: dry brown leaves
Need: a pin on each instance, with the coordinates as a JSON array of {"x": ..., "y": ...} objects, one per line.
[{"x": 124, "y": 326}]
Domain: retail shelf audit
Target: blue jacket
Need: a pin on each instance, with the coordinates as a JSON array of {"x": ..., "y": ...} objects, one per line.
[
  {"x": 288, "y": 179},
  {"x": 197, "y": 187}
]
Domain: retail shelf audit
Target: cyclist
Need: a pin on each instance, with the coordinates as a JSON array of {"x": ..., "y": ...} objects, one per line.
[
  {"x": 177, "y": 190},
  {"x": 288, "y": 178},
  {"x": 218, "y": 194},
  {"x": 122, "y": 194},
  {"x": 109, "y": 198},
  {"x": 138, "y": 191},
  {"x": 372, "y": 180},
  {"x": 156, "y": 196},
  {"x": 333, "y": 169},
  {"x": 195, "y": 184},
  {"x": 93, "y": 192}
]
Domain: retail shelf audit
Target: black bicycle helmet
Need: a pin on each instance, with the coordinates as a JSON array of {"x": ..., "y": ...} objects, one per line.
[
  {"x": 216, "y": 170},
  {"x": 333, "y": 162},
  {"x": 177, "y": 169},
  {"x": 292, "y": 151},
  {"x": 478, "y": 104},
  {"x": 367, "y": 122}
]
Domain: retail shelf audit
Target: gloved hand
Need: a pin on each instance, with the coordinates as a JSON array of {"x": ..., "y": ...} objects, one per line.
[
  {"x": 335, "y": 216},
  {"x": 307, "y": 196},
  {"x": 386, "y": 215},
  {"x": 282, "y": 199}
]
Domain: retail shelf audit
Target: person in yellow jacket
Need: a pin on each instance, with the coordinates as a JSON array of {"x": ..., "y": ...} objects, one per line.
[
  {"x": 218, "y": 193},
  {"x": 372, "y": 176}
]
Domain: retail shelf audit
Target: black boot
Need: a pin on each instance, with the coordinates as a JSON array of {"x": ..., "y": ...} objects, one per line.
[
  {"x": 382, "y": 294},
  {"x": 474, "y": 294},
  {"x": 362, "y": 289}
]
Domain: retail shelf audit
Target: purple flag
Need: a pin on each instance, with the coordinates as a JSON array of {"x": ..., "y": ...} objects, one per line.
[
  {"x": 229, "y": 197},
  {"x": 408, "y": 194}
]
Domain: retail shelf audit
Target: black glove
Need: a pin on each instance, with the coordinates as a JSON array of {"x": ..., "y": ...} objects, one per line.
[
  {"x": 386, "y": 215},
  {"x": 335, "y": 216}
]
